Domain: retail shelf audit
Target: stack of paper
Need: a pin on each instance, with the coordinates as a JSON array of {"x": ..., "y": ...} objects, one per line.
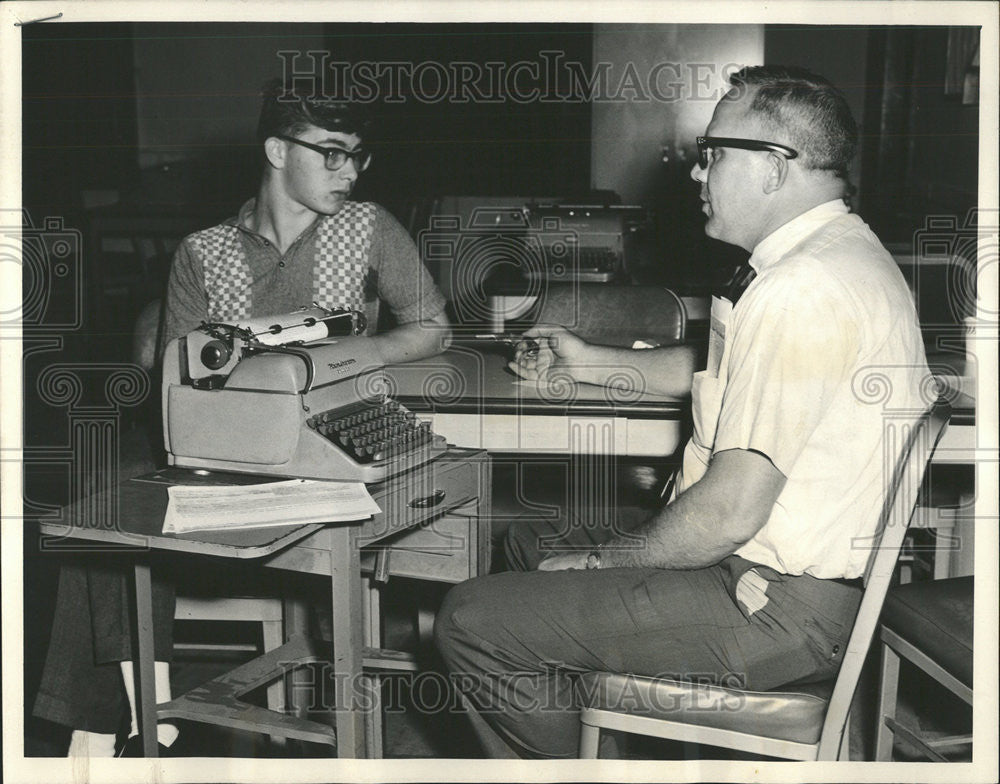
[{"x": 295, "y": 502}]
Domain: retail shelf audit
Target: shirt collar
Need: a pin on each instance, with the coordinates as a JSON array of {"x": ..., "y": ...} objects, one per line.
[
  {"x": 241, "y": 219},
  {"x": 784, "y": 238}
]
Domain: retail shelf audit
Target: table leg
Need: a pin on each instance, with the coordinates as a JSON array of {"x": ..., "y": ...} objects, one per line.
[
  {"x": 373, "y": 681},
  {"x": 345, "y": 579},
  {"x": 295, "y": 613},
  {"x": 146, "y": 682}
]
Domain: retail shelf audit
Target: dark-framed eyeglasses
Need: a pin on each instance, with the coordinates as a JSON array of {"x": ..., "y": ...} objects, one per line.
[
  {"x": 335, "y": 157},
  {"x": 707, "y": 143}
]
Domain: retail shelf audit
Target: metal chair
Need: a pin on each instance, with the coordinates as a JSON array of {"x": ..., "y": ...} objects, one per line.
[
  {"x": 615, "y": 315},
  {"x": 929, "y": 624},
  {"x": 801, "y": 724}
]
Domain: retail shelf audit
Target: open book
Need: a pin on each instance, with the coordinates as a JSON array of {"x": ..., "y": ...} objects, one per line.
[{"x": 295, "y": 502}]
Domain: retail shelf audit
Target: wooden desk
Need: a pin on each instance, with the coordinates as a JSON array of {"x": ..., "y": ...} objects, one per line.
[
  {"x": 475, "y": 402},
  {"x": 459, "y": 483}
]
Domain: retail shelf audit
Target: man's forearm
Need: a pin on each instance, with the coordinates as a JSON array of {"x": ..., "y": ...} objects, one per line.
[
  {"x": 679, "y": 536},
  {"x": 662, "y": 371},
  {"x": 709, "y": 521},
  {"x": 411, "y": 342}
]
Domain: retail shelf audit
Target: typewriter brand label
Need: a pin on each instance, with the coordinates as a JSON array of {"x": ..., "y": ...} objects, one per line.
[{"x": 341, "y": 367}]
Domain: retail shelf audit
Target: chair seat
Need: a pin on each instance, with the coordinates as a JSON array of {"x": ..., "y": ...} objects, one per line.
[
  {"x": 795, "y": 716},
  {"x": 936, "y": 617}
]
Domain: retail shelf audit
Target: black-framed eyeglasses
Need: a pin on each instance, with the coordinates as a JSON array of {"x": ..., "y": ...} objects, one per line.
[
  {"x": 707, "y": 143},
  {"x": 335, "y": 157}
]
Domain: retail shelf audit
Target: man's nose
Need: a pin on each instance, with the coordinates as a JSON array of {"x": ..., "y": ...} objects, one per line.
[
  {"x": 349, "y": 171},
  {"x": 698, "y": 174}
]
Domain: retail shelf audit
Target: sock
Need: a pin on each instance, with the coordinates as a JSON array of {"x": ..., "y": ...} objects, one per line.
[
  {"x": 166, "y": 733},
  {"x": 91, "y": 744}
]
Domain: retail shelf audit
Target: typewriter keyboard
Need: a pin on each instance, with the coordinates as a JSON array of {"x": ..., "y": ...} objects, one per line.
[{"x": 373, "y": 430}]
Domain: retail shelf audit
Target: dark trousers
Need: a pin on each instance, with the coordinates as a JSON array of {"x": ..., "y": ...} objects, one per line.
[
  {"x": 81, "y": 683},
  {"x": 514, "y": 641}
]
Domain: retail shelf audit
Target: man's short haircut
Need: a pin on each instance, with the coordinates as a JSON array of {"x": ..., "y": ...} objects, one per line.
[
  {"x": 809, "y": 110},
  {"x": 289, "y": 112}
]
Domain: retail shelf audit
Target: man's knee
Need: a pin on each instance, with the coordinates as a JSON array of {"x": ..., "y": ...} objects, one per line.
[{"x": 458, "y": 617}]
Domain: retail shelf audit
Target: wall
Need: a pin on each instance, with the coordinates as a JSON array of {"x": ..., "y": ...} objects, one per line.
[
  {"x": 838, "y": 53},
  {"x": 197, "y": 88},
  {"x": 643, "y": 146},
  {"x": 629, "y": 135},
  {"x": 198, "y": 85}
]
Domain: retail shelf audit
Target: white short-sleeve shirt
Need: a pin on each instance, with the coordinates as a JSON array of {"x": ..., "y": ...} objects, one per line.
[{"x": 821, "y": 368}]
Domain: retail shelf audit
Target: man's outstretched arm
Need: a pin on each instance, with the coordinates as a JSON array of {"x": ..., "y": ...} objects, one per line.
[{"x": 662, "y": 371}]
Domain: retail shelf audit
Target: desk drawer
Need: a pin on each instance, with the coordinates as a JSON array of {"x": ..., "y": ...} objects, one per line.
[
  {"x": 443, "y": 549},
  {"x": 415, "y": 519},
  {"x": 422, "y": 495}
]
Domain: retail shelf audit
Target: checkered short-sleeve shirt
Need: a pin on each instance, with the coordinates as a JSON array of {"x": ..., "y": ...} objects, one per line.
[{"x": 342, "y": 246}]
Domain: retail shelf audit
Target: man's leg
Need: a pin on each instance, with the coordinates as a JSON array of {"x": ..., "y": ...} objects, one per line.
[
  {"x": 82, "y": 685},
  {"x": 110, "y": 604},
  {"x": 527, "y": 542},
  {"x": 513, "y": 641},
  {"x": 75, "y": 691}
]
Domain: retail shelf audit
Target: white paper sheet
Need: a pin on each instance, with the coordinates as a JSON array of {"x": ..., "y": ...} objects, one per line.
[{"x": 295, "y": 502}]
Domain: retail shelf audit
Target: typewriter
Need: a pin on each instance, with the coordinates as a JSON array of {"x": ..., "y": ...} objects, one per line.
[
  {"x": 292, "y": 395},
  {"x": 581, "y": 243}
]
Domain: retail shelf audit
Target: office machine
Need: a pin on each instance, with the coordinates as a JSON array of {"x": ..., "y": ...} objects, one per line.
[
  {"x": 295, "y": 395},
  {"x": 582, "y": 243}
]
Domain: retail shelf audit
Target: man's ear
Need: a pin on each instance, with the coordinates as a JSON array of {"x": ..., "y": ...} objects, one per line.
[
  {"x": 777, "y": 172},
  {"x": 275, "y": 150}
]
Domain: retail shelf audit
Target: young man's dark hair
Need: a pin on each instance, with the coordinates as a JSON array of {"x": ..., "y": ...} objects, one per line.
[{"x": 287, "y": 111}]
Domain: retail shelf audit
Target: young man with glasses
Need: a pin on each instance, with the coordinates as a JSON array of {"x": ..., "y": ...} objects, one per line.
[
  {"x": 748, "y": 575},
  {"x": 300, "y": 240}
]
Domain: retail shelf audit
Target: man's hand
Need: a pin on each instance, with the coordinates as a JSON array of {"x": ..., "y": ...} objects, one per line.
[
  {"x": 559, "y": 561},
  {"x": 546, "y": 347}
]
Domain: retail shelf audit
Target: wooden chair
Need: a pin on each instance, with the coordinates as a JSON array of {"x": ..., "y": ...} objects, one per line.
[
  {"x": 800, "y": 724},
  {"x": 929, "y": 624},
  {"x": 615, "y": 315}
]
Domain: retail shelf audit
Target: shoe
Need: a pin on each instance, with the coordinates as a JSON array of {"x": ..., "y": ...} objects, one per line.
[{"x": 132, "y": 747}]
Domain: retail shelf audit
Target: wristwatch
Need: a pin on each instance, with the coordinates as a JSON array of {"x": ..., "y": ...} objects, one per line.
[{"x": 594, "y": 559}]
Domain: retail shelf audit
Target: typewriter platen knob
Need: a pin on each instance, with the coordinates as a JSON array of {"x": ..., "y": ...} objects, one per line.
[{"x": 215, "y": 354}]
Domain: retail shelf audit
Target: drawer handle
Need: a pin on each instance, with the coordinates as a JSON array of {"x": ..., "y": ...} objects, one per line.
[{"x": 428, "y": 501}]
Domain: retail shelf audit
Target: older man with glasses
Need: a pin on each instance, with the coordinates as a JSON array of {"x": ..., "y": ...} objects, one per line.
[
  {"x": 300, "y": 241},
  {"x": 747, "y": 576}
]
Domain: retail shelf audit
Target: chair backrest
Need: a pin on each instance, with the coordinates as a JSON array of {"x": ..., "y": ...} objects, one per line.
[
  {"x": 615, "y": 315},
  {"x": 145, "y": 335},
  {"x": 902, "y": 489}
]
